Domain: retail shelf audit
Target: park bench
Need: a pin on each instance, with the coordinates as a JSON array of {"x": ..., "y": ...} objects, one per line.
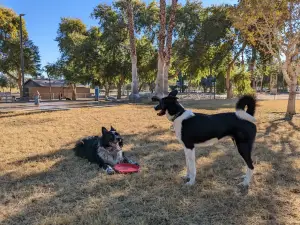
[{"x": 7, "y": 97}]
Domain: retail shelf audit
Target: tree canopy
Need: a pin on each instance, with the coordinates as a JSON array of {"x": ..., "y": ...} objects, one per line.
[{"x": 10, "y": 63}]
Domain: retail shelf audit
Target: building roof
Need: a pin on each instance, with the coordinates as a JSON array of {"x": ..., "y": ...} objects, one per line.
[{"x": 53, "y": 82}]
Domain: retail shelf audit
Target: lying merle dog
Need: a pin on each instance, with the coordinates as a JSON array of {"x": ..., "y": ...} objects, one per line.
[
  {"x": 105, "y": 150},
  {"x": 200, "y": 129}
]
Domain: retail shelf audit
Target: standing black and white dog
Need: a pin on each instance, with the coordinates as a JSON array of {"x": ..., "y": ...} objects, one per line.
[
  {"x": 105, "y": 150},
  {"x": 204, "y": 130}
]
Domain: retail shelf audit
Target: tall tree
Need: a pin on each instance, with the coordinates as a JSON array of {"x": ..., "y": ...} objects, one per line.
[
  {"x": 52, "y": 72},
  {"x": 134, "y": 85},
  {"x": 70, "y": 36},
  {"x": 10, "y": 64},
  {"x": 208, "y": 39},
  {"x": 116, "y": 50},
  {"x": 165, "y": 47},
  {"x": 188, "y": 25},
  {"x": 147, "y": 62},
  {"x": 218, "y": 30},
  {"x": 276, "y": 26}
]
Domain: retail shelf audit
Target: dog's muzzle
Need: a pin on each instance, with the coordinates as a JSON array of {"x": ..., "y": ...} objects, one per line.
[{"x": 161, "y": 112}]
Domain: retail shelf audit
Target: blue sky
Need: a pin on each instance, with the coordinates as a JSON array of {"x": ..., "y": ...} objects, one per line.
[{"x": 43, "y": 17}]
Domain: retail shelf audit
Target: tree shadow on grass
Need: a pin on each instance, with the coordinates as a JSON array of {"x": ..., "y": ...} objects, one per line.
[{"x": 74, "y": 192}]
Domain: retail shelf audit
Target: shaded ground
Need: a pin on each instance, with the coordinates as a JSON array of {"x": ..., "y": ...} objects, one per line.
[{"x": 42, "y": 182}]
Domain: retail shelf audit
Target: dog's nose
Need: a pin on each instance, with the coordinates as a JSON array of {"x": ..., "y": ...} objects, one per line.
[{"x": 157, "y": 107}]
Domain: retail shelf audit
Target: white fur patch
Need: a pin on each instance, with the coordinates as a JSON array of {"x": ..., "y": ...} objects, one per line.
[
  {"x": 191, "y": 165},
  {"x": 243, "y": 115},
  {"x": 248, "y": 177},
  {"x": 169, "y": 116},
  {"x": 178, "y": 122},
  {"x": 186, "y": 152}
]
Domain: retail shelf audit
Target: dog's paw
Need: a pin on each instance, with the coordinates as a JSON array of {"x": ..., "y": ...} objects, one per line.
[
  {"x": 243, "y": 188},
  {"x": 109, "y": 170},
  {"x": 190, "y": 183},
  {"x": 172, "y": 128},
  {"x": 244, "y": 184},
  {"x": 185, "y": 178},
  {"x": 240, "y": 177}
]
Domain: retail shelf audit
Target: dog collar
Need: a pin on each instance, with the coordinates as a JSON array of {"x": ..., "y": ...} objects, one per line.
[{"x": 177, "y": 115}]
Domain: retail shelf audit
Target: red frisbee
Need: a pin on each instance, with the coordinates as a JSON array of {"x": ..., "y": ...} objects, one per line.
[{"x": 126, "y": 168}]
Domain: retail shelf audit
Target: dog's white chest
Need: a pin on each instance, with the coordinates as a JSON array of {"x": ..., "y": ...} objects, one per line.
[{"x": 178, "y": 123}]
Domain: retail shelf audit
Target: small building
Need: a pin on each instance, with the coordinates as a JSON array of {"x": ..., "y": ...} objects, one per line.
[{"x": 51, "y": 89}]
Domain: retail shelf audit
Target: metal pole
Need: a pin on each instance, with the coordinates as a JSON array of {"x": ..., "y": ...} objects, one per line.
[
  {"x": 50, "y": 89},
  {"x": 215, "y": 88},
  {"x": 22, "y": 57}
]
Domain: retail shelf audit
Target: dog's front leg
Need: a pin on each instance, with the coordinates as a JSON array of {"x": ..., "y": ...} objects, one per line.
[
  {"x": 190, "y": 153},
  {"x": 187, "y": 176}
]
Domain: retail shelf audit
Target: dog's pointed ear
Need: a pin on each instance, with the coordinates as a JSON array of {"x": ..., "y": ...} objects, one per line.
[
  {"x": 112, "y": 129},
  {"x": 104, "y": 130},
  {"x": 173, "y": 93},
  {"x": 155, "y": 99}
]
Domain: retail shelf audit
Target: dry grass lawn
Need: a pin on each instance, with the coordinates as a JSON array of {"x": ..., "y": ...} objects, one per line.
[{"x": 42, "y": 182}]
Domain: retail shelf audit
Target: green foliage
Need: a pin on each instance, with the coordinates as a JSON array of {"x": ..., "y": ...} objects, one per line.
[
  {"x": 10, "y": 24},
  {"x": 71, "y": 36},
  {"x": 147, "y": 61},
  {"x": 51, "y": 70},
  {"x": 115, "y": 54},
  {"x": 71, "y": 32},
  {"x": 205, "y": 42},
  {"x": 10, "y": 47},
  {"x": 242, "y": 83},
  {"x": 10, "y": 57},
  {"x": 3, "y": 81},
  {"x": 220, "y": 82},
  {"x": 147, "y": 20}
]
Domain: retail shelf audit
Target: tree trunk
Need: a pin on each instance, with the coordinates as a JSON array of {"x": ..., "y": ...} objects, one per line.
[
  {"x": 270, "y": 81},
  {"x": 261, "y": 83},
  {"x": 141, "y": 86},
  {"x": 252, "y": 66},
  {"x": 134, "y": 85},
  {"x": 291, "y": 107},
  {"x": 166, "y": 79},
  {"x": 20, "y": 82},
  {"x": 123, "y": 89},
  {"x": 159, "y": 83},
  {"x": 230, "y": 66},
  {"x": 228, "y": 82},
  {"x": 74, "y": 94},
  {"x": 151, "y": 87},
  {"x": 119, "y": 87},
  {"x": 106, "y": 86},
  {"x": 119, "y": 94},
  {"x": 160, "y": 80},
  {"x": 168, "y": 51},
  {"x": 164, "y": 55}
]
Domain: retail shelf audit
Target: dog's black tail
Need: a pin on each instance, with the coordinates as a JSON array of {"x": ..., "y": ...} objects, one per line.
[{"x": 244, "y": 101}]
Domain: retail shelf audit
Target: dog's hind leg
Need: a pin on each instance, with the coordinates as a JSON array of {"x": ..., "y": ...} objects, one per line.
[{"x": 245, "y": 149}]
